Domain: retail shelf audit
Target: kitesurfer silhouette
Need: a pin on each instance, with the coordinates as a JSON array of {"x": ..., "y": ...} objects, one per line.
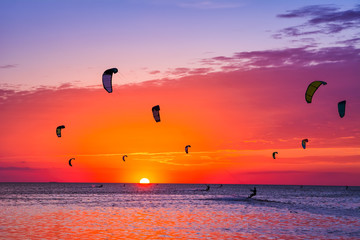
[{"x": 253, "y": 192}]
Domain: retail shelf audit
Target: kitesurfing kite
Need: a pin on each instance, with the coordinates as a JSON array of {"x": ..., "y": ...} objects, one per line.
[
  {"x": 107, "y": 79},
  {"x": 70, "y": 161},
  {"x": 156, "y": 113},
  {"x": 341, "y": 108},
  {"x": 187, "y": 149},
  {"x": 312, "y": 89},
  {"x": 303, "y": 143},
  {"x": 58, "y": 130},
  {"x": 274, "y": 154},
  {"x": 124, "y": 157}
]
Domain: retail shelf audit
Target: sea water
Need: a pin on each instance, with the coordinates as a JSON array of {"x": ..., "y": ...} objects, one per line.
[{"x": 177, "y": 211}]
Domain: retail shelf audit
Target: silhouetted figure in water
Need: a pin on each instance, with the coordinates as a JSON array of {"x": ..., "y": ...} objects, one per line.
[
  {"x": 100, "y": 186},
  {"x": 347, "y": 187},
  {"x": 207, "y": 188},
  {"x": 253, "y": 192}
]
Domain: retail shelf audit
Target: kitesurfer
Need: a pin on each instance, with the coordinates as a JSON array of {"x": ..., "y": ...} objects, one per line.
[{"x": 253, "y": 192}]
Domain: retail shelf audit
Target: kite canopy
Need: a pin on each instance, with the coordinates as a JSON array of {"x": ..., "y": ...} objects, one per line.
[
  {"x": 312, "y": 89},
  {"x": 274, "y": 154},
  {"x": 303, "y": 143},
  {"x": 341, "y": 108},
  {"x": 156, "y": 113},
  {"x": 187, "y": 149},
  {"x": 58, "y": 130},
  {"x": 70, "y": 161},
  {"x": 107, "y": 79},
  {"x": 124, "y": 157}
]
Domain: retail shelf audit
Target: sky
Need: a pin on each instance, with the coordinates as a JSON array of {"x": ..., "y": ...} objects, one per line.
[{"x": 229, "y": 76}]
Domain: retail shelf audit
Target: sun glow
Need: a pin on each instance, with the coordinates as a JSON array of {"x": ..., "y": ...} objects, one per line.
[{"x": 144, "y": 181}]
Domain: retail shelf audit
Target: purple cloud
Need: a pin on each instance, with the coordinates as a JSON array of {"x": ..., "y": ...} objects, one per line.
[
  {"x": 17, "y": 169},
  {"x": 313, "y": 10},
  {"x": 8, "y": 66},
  {"x": 325, "y": 19},
  {"x": 275, "y": 172},
  {"x": 302, "y": 56},
  {"x": 350, "y": 41}
]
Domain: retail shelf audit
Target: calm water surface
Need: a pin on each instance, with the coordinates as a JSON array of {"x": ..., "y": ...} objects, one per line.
[{"x": 177, "y": 211}]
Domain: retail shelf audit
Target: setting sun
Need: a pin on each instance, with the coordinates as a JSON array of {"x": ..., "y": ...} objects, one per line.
[{"x": 144, "y": 181}]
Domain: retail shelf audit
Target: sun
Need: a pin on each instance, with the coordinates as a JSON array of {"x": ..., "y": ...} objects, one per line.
[{"x": 144, "y": 181}]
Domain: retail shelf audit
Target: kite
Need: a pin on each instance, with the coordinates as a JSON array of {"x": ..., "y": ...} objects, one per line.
[
  {"x": 341, "y": 108},
  {"x": 156, "y": 113},
  {"x": 303, "y": 143},
  {"x": 187, "y": 149},
  {"x": 58, "y": 130},
  {"x": 70, "y": 161},
  {"x": 107, "y": 79},
  {"x": 312, "y": 89}
]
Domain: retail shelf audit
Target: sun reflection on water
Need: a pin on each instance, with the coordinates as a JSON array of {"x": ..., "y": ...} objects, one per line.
[{"x": 134, "y": 223}]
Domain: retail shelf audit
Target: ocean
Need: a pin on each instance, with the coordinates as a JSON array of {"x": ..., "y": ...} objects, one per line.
[{"x": 177, "y": 211}]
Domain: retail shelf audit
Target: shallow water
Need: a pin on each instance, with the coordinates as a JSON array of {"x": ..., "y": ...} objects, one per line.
[{"x": 156, "y": 211}]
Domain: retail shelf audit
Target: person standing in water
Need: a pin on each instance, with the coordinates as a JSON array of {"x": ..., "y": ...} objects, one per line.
[{"x": 253, "y": 192}]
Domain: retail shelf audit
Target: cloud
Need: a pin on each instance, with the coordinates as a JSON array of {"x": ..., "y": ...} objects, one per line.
[
  {"x": 181, "y": 72},
  {"x": 299, "y": 57},
  {"x": 18, "y": 169},
  {"x": 8, "y": 66},
  {"x": 196, "y": 71},
  {"x": 4, "y": 93},
  {"x": 324, "y": 19},
  {"x": 154, "y": 72},
  {"x": 351, "y": 41},
  {"x": 273, "y": 172}
]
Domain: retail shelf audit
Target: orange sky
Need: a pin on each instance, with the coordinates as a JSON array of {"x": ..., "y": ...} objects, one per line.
[{"x": 232, "y": 120}]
